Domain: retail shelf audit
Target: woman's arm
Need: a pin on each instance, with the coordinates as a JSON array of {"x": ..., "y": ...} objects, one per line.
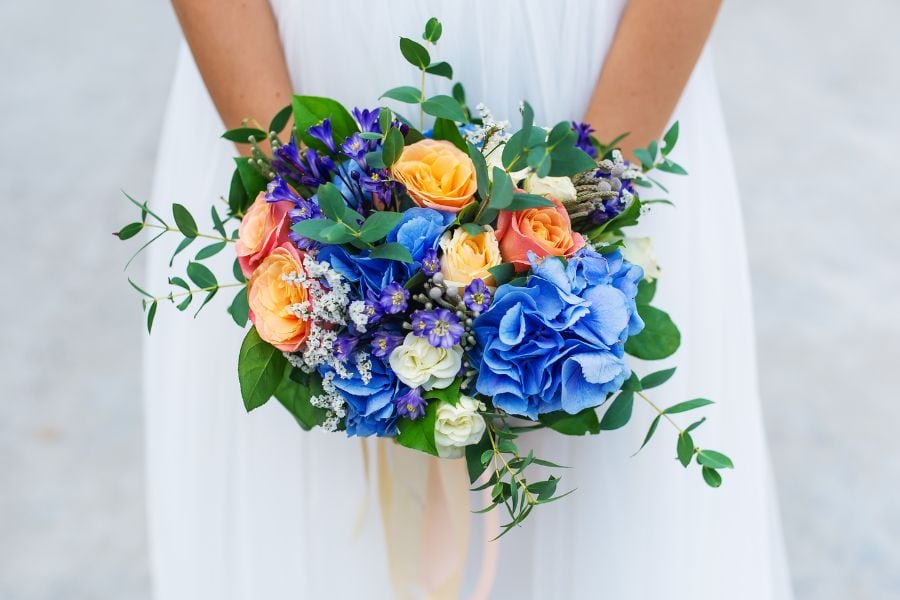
[
  {"x": 651, "y": 57},
  {"x": 239, "y": 54}
]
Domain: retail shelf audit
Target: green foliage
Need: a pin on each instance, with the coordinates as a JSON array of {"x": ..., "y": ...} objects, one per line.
[
  {"x": 151, "y": 314},
  {"x": 405, "y": 93},
  {"x": 392, "y": 251},
  {"x": 659, "y": 339},
  {"x": 201, "y": 275},
  {"x": 449, "y": 394},
  {"x": 415, "y": 53},
  {"x": 670, "y": 138},
  {"x": 331, "y": 201},
  {"x": 129, "y": 231},
  {"x": 239, "y": 308},
  {"x": 378, "y": 225},
  {"x": 184, "y": 221},
  {"x": 419, "y": 434},
  {"x": 244, "y": 135},
  {"x": 646, "y": 291},
  {"x": 210, "y": 250},
  {"x": 714, "y": 460},
  {"x": 657, "y": 379},
  {"x": 501, "y": 190},
  {"x": 280, "y": 120},
  {"x": 619, "y": 412},
  {"x": 260, "y": 370},
  {"x": 326, "y": 231},
  {"x": 445, "y": 129},
  {"x": 392, "y": 147},
  {"x": 481, "y": 172},
  {"x": 685, "y": 448},
  {"x": 581, "y": 423},
  {"x": 310, "y": 111},
  {"x": 687, "y": 405},
  {"x": 441, "y": 69},
  {"x": 503, "y": 273},
  {"x": 294, "y": 392},
  {"x": 433, "y": 30},
  {"x": 444, "y": 107},
  {"x": 711, "y": 477},
  {"x": 252, "y": 182},
  {"x": 525, "y": 201},
  {"x": 474, "y": 465}
]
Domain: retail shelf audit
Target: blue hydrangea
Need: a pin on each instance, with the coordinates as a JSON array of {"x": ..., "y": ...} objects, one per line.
[
  {"x": 370, "y": 406},
  {"x": 419, "y": 230},
  {"x": 557, "y": 342}
]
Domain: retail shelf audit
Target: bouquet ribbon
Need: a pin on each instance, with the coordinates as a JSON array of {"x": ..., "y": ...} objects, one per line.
[{"x": 424, "y": 505}]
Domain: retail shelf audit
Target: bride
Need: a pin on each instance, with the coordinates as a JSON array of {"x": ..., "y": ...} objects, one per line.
[{"x": 249, "y": 506}]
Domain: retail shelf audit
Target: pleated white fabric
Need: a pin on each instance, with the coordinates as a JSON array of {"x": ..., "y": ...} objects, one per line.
[{"x": 247, "y": 507}]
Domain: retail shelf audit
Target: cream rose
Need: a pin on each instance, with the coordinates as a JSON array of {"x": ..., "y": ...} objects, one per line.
[
  {"x": 560, "y": 188},
  {"x": 419, "y": 364},
  {"x": 639, "y": 251},
  {"x": 458, "y": 426},
  {"x": 466, "y": 257}
]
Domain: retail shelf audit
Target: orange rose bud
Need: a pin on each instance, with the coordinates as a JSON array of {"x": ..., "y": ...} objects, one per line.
[
  {"x": 264, "y": 227},
  {"x": 271, "y": 294},
  {"x": 436, "y": 175},
  {"x": 546, "y": 231}
]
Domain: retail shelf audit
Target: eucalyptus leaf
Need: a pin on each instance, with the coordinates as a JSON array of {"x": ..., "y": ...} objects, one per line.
[
  {"x": 670, "y": 138},
  {"x": 211, "y": 250},
  {"x": 685, "y": 449},
  {"x": 503, "y": 273},
  {"x": 433, "y": 29},
  {"x": 501, "y": 190},
  {"x": 619, "y": 412},
  {"x": 444, "y": 107},
  {"x": 405, "y": 93},
  {"x": 184, "y": 243},
  {"x": 481, "y": 172},
  {"x": 239, "y": 308},
  {"x": 445, "y": 129},
  {"x": 657, "y": 379},
  {"x": 201, "y": 275},
  {"x": 331, "y": 201},
  {"x": 184, "y": 220},
  {"x": 712, "y": 477},
  {"x": 392, "y": 147},
  {"x": 441, "y": 69},
  {"x": 379, "y": 224},
  {"x": 714, "y": 460},
  {"x": 151, "y": 314},
  {"x": 687, "y": 405},
  {"x": 130, "y": 230},
  {"x": 582, "y": 423},
  {"x": 392, "y": 251},
  {"x": 415, "y": 53},
  {"x": 525, "y": 201},
  {"x": 280, "y": 120},
  {"x": 243, "y": 135}
]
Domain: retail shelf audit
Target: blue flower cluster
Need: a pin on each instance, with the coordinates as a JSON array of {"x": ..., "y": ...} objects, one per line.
[{"x": 557, "y": 342}]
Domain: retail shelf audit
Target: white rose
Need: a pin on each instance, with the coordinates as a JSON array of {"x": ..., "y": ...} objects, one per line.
[
  {"x": 639, "y": 251},
  {"x": 419, "y": 364},
  {"x": 456, "y": 427},
  {"x": 560, "y": 188},
  {"x": 494, "y": 158}
]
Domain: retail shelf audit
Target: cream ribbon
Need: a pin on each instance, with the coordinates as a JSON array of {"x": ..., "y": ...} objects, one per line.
[{"x": 424, "y": 503}]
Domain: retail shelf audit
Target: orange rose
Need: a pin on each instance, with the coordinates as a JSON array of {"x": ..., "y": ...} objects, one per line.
[
  {"x": 466, "y": 257},
  {"x": 546, "y": 231},
  {"x": 264, "y": 226},
  {"x": 271, "y": 297},
  {"x": 436, "y": 174}
]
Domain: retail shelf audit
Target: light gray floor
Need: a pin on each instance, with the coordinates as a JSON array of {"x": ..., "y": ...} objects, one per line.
[{"x": 810, "y": 91}]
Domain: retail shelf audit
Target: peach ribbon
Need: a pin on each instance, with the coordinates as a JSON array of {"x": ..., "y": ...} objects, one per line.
[{"x": 424, "y": 503}]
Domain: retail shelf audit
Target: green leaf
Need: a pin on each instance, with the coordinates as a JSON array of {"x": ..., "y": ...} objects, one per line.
[
  {"x": 447, "y": 130},
  {"x": 385, "y": 116},
  {"x": 570, "y": 160},
  {"x": 280, "y": 120},
  {"x": 695, "y": 425},
  {"x": 201, "y": 275},
  {"x": 449, "y": 394},
  {"x": 239, "y": 308},
  {"x": 374, "y": 159},
  {"x": 619, "y": 412},
  {"x": 379, "y": 224},
  {"x": 419, "y": 434},
  {"x": 405, "y": 93},
  {"x": 433, "y": 29},
  {"x": 527, "y": 120},
  {"x": 209, "y": 296},
  {"x": 392, "y": 251},
  {"x": 441, "y": 69},
  {"x": 580, "y": 423},
  {"x": 657, "y": 379},
  {"x": 481, "y": 172},
  {"x": 444, "y": 107},
  {"x": 473, "y": 228},
  {"x": 632, "y": 384},
  {"x": 670, "y": 138},
  {"x": 646, "y": 291},
  {"x": 511, "y": 156},
  {"x": 459, "y": 93},
  {"x": 650, "y": 432},
  {"x": 644, "y": 156},
  {"x": 659, "y": 339},
  {"x": 238, "y": 201},
  {"x": 242, "y": 135},
  {"x": 685, "y": 448},
  {"x": 320, "y": 230},
  {"x": 392, "y": 147},
  {"x": 669, "y": 166},
  {"x": 184, "y": 220},
  {"x": 501, "y": 191},
  {"x": 687, "y": 405},
  {"x": 331, "y": 201},
  {"x": 561, "y": 133},
  {"x": 237, "y": 272},
  {"x": 139, "y": 289},
  {"x": 414, "y": 53},
  {"x": 312, "y": 110},
  {"x": 503, "y": 273},
  {"x": 130, "y": 230},
  {"x": 525, "y": 201},
  {"x": 712, "y": 477},
  {"x": 474, "y": 455},
  {"x": 714, "y": 460},
  {"x": 210, "y": 250},
  {"x": 294, "y": 392},
  {"x": 260, "y": 370},
  {"x": 540, "y": 161},
  {"x": 253, "y": 182},
  {"x": 151, "y": 314},
  {"x": 218, "y": 225},
  {"x": 184, "y": 243}
]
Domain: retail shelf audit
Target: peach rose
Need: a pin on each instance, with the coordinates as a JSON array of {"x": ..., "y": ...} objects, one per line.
[
  {"x": 270, "y": 298},
  {"x": 466, "y": 257},
  {"x": 436, "y": 174},
  {"x": 264, "y": 226},
  {"x": 546, "y": 231}
]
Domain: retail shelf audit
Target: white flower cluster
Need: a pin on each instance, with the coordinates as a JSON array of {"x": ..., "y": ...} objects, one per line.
[
  {"x": 332, "y": 401},
  {"x": 489, "y": 128}
]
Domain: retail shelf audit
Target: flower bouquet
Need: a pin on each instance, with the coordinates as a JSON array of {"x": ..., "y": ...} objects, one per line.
[{"x": 454, "y": 288}]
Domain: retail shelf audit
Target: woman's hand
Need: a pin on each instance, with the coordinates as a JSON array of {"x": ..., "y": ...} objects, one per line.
[{"x": 651, "y": 58}]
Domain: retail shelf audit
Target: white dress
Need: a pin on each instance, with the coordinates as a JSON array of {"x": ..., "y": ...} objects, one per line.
[{"x": 250, "y": 506}]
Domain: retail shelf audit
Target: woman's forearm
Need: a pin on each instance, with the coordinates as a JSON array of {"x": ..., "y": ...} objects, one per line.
[
  {"x": 238, "y": 51},
  {"x": 651, "y": 58}
]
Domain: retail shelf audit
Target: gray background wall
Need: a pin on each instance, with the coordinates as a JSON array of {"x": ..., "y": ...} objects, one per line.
[{"x": 810, "y": 90}]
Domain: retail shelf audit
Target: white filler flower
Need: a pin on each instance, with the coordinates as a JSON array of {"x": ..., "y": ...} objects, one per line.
[
  {"x": 456, "y": 427},
  {"x": 419, "y": 364}
]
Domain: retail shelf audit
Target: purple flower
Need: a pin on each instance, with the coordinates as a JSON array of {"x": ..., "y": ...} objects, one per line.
[
  {"x": 394, "y": 298},
  {"x": 355, "y": 147},
  {"x": 322, "y": 132},
  {"x": 477, "y": 296},
  {"x": 411, "y": 404},
  {"x": 441, "y": 326},
  {"x": 384, "y": 342},
  {"x": 373, "y": 307},
  {"x": 584, "y": 131},
  {"x": 344, "y": 346},
  {"x": 278, "y": 190},
  {"x": 431, "y": 264},
  {"x": 367, "y": 119}
]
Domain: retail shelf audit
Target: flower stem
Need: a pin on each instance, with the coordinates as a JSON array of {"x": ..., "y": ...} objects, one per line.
[
  {"x": 528, "y": 496},
  {"x": 217, "y": 238},
  {"x": 661, "y": 412},
  {"x": 192, "y": 292}
]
